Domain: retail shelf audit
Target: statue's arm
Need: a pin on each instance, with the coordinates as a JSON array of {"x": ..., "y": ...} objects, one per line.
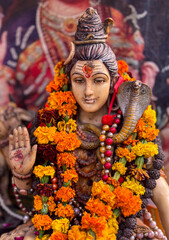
[{"x": 161, "y": 199}]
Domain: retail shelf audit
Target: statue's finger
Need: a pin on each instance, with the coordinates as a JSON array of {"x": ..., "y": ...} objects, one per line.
[
  {"x": 11, "y": 143},
  {"x": 21, "y": 137},
  {"x": 26, "y": 138},
  {"x": 16, "y": 139},
  {"x": 33, "y": 152}
]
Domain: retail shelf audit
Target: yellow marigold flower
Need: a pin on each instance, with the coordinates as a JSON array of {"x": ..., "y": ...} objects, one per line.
[
  {"x": 70, "y": 174},
  {"x": 37, "y": 203},
  {"x": 134, "y": 186},
  {"x": 41, "y": 171},
  {"x": 95, "y": 206},
  {"x": 118, "y": 166},
  {"x": 125, "y": 152},
  {"x": 64, "y": 211},
  {"x": 61, "y": 225},
  {"x": 66, "y": 159},
  {"x": 61, "y": 126},
  {"x": 113, "y": 225},
  {"x": 145, "y": 149},
  {"x": 65, "y": 194},
  {"x": 75, "y": 233},
  {"x": 70, "y": 126},
  {"x": 149, "y": 116},
  {"x": 42, "y": 222},
  {"x": 102, "y": 191},
  {"x": 45, "y": 135},
  {"x": 51, "y": 204}
]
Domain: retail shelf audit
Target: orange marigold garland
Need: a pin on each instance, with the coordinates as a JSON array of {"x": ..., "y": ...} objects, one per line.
[{"x": 118, "y": 194}]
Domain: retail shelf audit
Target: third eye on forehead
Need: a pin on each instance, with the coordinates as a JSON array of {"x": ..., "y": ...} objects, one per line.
[{"x": 89, "y": 66}]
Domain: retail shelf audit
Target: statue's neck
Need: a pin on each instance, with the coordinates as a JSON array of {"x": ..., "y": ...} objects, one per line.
[{"x": 94, "y": 117}]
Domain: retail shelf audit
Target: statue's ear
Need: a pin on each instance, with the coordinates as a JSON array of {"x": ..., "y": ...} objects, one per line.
[{"x": 133, "y": 94}]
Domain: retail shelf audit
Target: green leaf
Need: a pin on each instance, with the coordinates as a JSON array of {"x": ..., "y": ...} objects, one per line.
[
  {"x": 116, "y": 212},
  {"x": 44, "y": 209},
  {"x": 41, "y": 233},
  {"x": 44, "y": 179},
  {"x": 66, "y": 184},
  {"x": 65, "y": 87}
]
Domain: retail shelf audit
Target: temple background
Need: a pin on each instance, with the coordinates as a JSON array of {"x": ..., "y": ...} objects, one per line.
[{"x": 35, "y": 36}]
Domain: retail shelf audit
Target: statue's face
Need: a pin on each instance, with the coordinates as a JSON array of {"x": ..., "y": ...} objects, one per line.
[{"x": 90, "y": 82}]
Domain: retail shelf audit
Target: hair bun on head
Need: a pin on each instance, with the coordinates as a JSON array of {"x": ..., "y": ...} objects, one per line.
[{"x": 90, "y": 28}]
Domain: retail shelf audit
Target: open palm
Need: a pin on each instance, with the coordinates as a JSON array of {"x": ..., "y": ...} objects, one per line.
[{"x": 21, "y": 156}]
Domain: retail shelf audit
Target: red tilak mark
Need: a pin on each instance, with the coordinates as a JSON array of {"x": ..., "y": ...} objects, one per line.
[
  {"x": 88, "y": 69},
  {"x": 18, "y": 155}
]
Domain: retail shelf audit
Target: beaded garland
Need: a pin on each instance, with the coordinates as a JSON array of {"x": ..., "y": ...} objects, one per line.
[{"x": 126, "y": 184}]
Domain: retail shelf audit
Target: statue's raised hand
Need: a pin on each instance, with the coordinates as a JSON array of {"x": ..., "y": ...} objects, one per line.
[{"x": 21, "y": 156}]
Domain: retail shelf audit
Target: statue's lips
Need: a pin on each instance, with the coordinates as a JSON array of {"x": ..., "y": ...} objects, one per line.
[{"x": 89, "y": 101}]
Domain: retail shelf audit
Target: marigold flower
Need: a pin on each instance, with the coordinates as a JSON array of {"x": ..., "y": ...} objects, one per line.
[
  {"x": 45, "y": 135},
  {"x": 127, "y": 78},
  {"x": 70, "y": 126},
  {"x": 125, "y": 152},
  {"x": 145, "y": 149},
  {"x": 44, "y": 189},
  {"x": 61, "y": 225},
  {"x": 58, "y": 66},
  {"x": 66, "y": 141},
  {"x": 65, "y": 194},
  {"x": 75, "y": 233},
  {"x": 47, "y": 116},
  {"x": 95, "y": 206},
  {"x": 134, "y": 186},
  {"x": 66, "y": 159},
  {"x": 139, "y": 174},
  {"x": 131, "y": 141},
  {"x": 70, "y": 175},
  {"x": 118, "y": 166},
  {"x": 122, "y": 67},
  {"x": 113, "y": 182},
  {"x": 64, "y": 102},
  {"x": 64, "y": 211},
  {"x": 149, "y": 134},
  {"x": 42, "y": 222},
  {"x": 52, "y": 86},
  {"x": 97, "y": 224},
  {"x": 102, "y": 191},
  {"x": 37, "y": 203},
  {"x": 126, "y": 201},
  {"x": 41, "y": 171},
  {"x": 113, "y": 226},
  {"x": 51, "y": 204},
  {"x": 58, "y": 236},
  {"x": 141, "y": 125},
  {"x": 149, "y": 116}
]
